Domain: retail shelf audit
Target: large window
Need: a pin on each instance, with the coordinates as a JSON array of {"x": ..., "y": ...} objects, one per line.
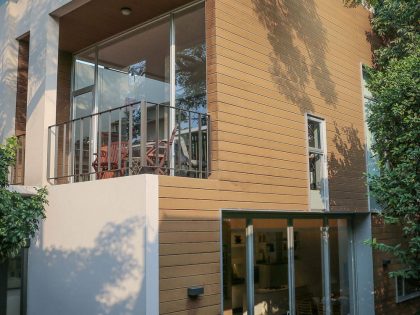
[
  {"x": 318, "y": 182},
  {"x": 280, "y": 264},
  {"x": 161, "y": 64}
]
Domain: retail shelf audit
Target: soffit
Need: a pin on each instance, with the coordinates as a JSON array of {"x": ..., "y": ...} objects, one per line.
[{"x": 100, "y": 19}]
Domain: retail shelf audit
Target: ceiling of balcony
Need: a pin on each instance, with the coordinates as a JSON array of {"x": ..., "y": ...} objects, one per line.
[{"x": 99, "y": 19}]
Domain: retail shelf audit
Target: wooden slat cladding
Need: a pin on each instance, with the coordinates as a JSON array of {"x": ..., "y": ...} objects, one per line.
[{"x": 268, "y": 63}]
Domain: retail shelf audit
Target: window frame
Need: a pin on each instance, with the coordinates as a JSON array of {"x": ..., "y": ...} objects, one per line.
[
  {"x": 367, "y": 97},
  {"x": 324, "y": 161},
  {"x": 399, "y": 298}
]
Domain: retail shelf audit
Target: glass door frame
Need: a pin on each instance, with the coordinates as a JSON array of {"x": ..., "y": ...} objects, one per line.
[
  {"x": 250, "y": 215},
  {"x": 79, "y": 92}
]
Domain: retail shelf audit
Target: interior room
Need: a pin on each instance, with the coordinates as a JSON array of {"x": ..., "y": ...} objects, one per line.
[{"x": 271, "y": 266}]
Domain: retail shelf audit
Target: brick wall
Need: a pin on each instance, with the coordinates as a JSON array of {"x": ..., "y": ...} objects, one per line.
[
  {"x": 63, "y": 86},
  {"x": 22, "y": 87},
  {"x": 384, "y": 285},
  {"x": 63, "y": 112}
]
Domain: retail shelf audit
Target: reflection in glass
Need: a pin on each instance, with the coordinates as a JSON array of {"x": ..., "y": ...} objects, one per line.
[
  {"x": 270, "y": 267},
  {"x": 234, "y": 266},
  {"x": 308, "y": 267},
  {"x": 314, "y": 134},
  {"x": 14, "y": 285},
  {"x": 316, "y": 181},
  {"x": 84, "y": 70},
  {"x": 82, "y": 105},
  {"x": 190, "y": 60},
  {"x": 190, "y": 80},
  {"x": 317, "y": 176},
  {"x": 135, "y": 67}
]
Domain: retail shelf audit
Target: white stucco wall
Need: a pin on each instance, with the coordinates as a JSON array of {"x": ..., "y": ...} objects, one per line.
[
  {"x": 97, "y": 251},
  {"x": 18, "y": 17}
]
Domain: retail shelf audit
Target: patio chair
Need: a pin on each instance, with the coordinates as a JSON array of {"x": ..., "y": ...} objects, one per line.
[
  {"x": 159, "y": 150},
  {"x": 100, "y": 165}
]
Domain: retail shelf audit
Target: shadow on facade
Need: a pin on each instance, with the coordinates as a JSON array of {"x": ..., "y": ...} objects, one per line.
[
  {"x": 298, "y": 39},
  {"x": 346, "y": 171},
  {"x": 107, "y": 278}
]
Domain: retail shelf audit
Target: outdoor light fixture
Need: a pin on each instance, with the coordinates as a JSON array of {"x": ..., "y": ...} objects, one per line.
[{"x": 125, "y": 11}]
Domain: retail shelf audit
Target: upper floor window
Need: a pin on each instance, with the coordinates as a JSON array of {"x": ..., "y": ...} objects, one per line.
[{"x": 317, "y": 164}]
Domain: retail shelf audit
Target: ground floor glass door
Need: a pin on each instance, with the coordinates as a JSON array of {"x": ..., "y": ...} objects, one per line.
[
  {"x": 266, "y": 273},
  {"x": 279, "y": 266}
]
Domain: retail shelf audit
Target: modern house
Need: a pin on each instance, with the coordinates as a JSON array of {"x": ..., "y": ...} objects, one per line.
[{"x": 201, "y": 157}]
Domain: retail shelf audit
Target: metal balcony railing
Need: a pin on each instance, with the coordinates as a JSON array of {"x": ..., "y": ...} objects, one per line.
[
  {"x": 138, "y": 138},
  {"x": 18, "y": 170}
]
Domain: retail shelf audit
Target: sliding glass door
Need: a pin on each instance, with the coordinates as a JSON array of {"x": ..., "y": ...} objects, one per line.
[
  {"x": 279, "y": 266},
  {"x": 162, "y": 64},
  {"x": 260, "y": 282}
]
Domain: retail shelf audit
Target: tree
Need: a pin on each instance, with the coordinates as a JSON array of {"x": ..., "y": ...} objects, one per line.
[
  {"x": 394, "y": 121},
  {"x": 19, "y": 216}
]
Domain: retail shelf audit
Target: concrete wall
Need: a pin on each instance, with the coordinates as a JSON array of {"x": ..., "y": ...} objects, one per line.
[{"x": 97, "y": 251}]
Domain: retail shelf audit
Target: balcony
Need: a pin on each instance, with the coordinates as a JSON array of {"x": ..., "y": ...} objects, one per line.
[{"x": 138, "y": 138}]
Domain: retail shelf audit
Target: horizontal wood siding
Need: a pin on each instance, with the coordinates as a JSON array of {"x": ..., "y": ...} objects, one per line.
[{"x": 269, "y": 63}]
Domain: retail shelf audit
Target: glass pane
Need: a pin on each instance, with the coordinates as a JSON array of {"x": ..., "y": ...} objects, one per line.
[
  {"x": 308, "y": 267},
  {"x": 82, "y": 105},
  {"x": 84, "y": 70},
  {"x": 271, "y": 267},
  {"x": 14, "y": 285},
  {"x": 190, "y": 45},
  {"x": 314, "y": 134},
  {"x": 316, "y": 181},
  {"x": 340, "y": 264},
  {"x": 234, "y": 266},
  {"x": 135, "y": 67}
]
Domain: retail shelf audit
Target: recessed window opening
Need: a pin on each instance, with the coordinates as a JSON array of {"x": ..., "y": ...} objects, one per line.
[
  {"x": 139, "y": 103},
  {"x": 318, "y": 181}
]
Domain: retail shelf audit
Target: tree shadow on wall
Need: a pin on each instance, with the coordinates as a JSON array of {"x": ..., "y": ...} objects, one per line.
[
  {"x": 346, "y": 171},
  {"x": 107, "y": 278},
  {"x": 299, "y": 46}
]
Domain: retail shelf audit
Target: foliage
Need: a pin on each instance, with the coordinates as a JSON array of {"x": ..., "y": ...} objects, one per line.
[
  {"x": 19, "y": 216},
  {"x": 394, "y": 120},
  {"x": 191, "y": 86}
]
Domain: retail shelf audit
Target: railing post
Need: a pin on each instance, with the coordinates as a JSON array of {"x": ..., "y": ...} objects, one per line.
[
  {"x": 57, "y": 135},
  {"x": 63, "y": 166},
  {"x": 208, "y": 144},
  {"x": 157, "y": 162},
  {"x": 200, "y": 146},
  {"x": 119, "y": 141},
  {"x": 81, "y": 122},
  {"x": 130, "y": 139},
  {"x": 143, "y": 133},
  {"x": 48, "y": 154}
]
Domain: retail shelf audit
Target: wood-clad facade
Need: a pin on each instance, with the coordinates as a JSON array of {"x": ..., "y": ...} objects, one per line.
[{"x": 268, "y": 64}]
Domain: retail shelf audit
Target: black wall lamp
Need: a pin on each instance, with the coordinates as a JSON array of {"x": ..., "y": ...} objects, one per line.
[{"x": 195, "y": 292}]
